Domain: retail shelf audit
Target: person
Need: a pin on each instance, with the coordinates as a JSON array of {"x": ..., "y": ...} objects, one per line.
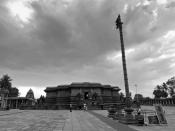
[
  {"x": 139, "y": 111},
  {"x": 101, "y": 107},
  {"x": 84, "y": 106},
  {"x": 79, "y": 107},
  {"x": 70, "y": 107}
]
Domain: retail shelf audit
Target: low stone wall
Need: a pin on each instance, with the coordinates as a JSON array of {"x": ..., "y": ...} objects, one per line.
[
  {"x": 46, "y": 106},
  {"x": 164, "y": 102}
]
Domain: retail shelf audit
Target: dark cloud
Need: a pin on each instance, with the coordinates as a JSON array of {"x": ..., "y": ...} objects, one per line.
[
  {"x": 65, "y": 42},
  {"x": 54, "y": 31},
  {"x": 171, "y": 5},
  {"x": 78, "y": 36}
]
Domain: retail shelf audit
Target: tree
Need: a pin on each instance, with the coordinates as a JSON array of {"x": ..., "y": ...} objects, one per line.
[
  {"x": 171, "y": 82},
  {"x": 41, "y": 100},
  {"x": 13, "y": 92},
  {"x": 171, "y": 91},
  {"x": 164, "y": 94},
  {"x": 147, "y": 98},
  {"x": 138, "y": 97},
  {"x": 171, "y": 86},
  {"x": 164, "y": 89},
  {"x": 160, "y": 91},
  {"x": 157, "y": 93},
  {"x": 164, "y": 86},
  {"x": 5, "y": 82}
]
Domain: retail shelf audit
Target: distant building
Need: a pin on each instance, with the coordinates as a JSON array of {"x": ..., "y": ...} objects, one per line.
[
  {"x": 30, "y": 94},
  {"x": 16, "y": 102},
  {"x": 93, "y": 94}
]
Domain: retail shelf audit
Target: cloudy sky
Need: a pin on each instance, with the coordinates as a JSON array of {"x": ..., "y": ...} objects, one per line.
[{"x": 51, "y": 42}]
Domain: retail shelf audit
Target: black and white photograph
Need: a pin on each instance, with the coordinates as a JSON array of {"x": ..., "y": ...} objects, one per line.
[{"x": 87, "y": 65}]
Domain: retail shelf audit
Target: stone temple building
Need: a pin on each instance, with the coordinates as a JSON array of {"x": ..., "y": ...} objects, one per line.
[
  {"x": 93, "y": 94},
  {"x": 30, "y": 94},
  {"x": 17, "y": 102}
]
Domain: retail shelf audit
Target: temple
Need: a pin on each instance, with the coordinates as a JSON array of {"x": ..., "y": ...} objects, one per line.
[
  {"x": 17, "y": 102},
  {"x": 30, "y": 94},
  {"x": 93, "y": 94}
]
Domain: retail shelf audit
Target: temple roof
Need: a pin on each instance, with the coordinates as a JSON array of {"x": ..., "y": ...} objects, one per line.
[
  {"x": 81, "y": 85},
  {"x": 30, "y": 94}
]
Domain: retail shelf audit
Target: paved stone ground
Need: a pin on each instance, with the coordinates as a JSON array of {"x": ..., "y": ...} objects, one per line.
[
  {"x": 115, "y": 124},
  {"x": 84, "y": 121},
  {"x": 56, "y": 120},
  {"x": 169, "y": 113},
  {"x": 51, "y": 120},
  {"x": 33, "y": 120},
  {"x": 63, "y": 120}
]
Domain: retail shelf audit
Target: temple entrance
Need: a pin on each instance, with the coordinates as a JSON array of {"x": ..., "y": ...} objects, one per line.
[{"x": 86, "y": 95}]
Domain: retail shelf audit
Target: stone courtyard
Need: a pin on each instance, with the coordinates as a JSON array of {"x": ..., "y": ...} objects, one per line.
[
  {"x": 63, "y": 120},
  {"x": 33, "y": 120},
  {"x": 50, "y": 120}
]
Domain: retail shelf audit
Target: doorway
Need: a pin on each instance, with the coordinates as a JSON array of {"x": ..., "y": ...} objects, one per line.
[{"x": 86, "y": 95}]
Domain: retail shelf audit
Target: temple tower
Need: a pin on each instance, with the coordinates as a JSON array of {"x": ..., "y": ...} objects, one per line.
[{"x": 30, "y": 94}]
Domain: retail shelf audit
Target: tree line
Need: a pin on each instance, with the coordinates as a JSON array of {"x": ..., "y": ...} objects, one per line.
[{"x": 165, "y": 89}]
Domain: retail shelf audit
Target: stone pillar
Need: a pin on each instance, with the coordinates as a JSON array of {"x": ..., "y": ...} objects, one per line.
[
  {"x": 173, "y": 101},
  {"x": 16, "y": 104},
  {"x": 167, "y": 102},
  {"x": 9, "y": 103}
]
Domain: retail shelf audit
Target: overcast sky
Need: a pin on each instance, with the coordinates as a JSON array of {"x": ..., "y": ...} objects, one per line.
[{"x": 51, "y": 42}]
